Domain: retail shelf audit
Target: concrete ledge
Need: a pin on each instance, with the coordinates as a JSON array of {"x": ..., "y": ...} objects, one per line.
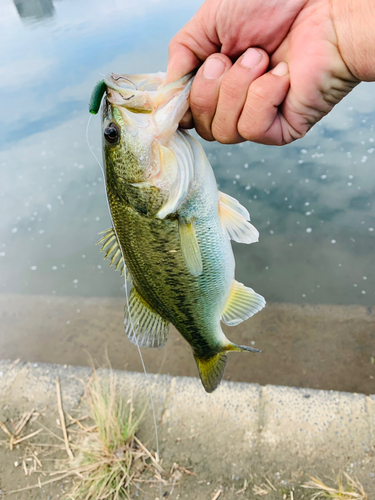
[{"x": 238, "y": 428}]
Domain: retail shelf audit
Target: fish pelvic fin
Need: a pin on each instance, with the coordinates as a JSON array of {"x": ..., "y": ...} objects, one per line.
[
  {"x": 211, "y": 370},
  {"x": 243, "y": 303}
]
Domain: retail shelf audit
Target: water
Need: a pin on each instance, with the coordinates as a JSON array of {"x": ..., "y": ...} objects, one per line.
[{"x": 312, "y": 201}]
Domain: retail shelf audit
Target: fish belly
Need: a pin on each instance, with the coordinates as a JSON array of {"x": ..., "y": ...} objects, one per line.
[{"x": 153, "y": 256}]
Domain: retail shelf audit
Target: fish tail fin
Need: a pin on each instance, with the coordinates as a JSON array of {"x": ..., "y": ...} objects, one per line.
[{"x": 211, "y": 370}]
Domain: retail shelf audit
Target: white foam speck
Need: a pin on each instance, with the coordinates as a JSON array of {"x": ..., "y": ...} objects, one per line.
[
  {"x": 97, "y": 218},
  {"x": 303, "y": 151},
  {"x": 370, "y": 229},
  {"x": 364, "y": 159},
  {"x": 14, "y": 230},
  {"x": 247, "y": 187},
  {"x": 33, "y": 268},
  {"x": 364, "y": 277},
  {"x": 83, "y": 256},
  {"x": 308, "y": 213},
  {"x": 54, "y": 268},
  {"x": 2, "y": 254},
  {"x": 308, "y": 230},
  {"x": 75, "y": 281},
  {"x": 363, "y": 292},
  {"x": 246, "y": 165},
  {"x": 323, "y": 176},
  {"x": 333, "y": 241}
]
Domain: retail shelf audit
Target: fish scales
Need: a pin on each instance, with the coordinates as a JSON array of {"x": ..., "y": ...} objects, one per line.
[
  {"x": 186, "y": 301},
  {"x": 172, "y": 225}
]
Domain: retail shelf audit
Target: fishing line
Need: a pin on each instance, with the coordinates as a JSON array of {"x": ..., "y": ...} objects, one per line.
[{"x": 132, "y": 328}]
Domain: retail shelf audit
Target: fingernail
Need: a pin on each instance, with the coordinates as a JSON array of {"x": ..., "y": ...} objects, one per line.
[
  {"x": 251, "y": 58},
  {"x": 213, "y": 68},
  {"x": 281, "y": 69}
]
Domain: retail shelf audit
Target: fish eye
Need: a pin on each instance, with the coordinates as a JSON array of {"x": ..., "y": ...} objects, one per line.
[{"x": 112, "y": 133}]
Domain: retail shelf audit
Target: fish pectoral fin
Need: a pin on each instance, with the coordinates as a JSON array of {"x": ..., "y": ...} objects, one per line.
[
  {"x": 234, "y": 218},
  {"x": 190, "y": 247},
  {"x": 211, "y": 370},
  {"x": 113, "y": 249},
  {"x": 243, "y": 303},
  {"x": 143, "y": 325}
]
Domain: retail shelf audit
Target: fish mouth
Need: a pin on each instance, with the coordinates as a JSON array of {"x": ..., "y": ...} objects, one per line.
[{"x": 142, "y": 93}]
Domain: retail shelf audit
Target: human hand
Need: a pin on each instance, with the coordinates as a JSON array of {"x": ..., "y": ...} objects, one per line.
[{"x": 308, "y": 44}]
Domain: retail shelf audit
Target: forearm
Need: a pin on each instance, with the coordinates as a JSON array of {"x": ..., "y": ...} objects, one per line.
[{"x": 354, "y": 21}]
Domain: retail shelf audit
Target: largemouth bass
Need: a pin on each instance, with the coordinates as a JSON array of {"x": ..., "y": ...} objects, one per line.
[{"x": 171, "y": 225}]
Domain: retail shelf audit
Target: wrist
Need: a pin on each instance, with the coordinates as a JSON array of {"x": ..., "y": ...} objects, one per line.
[{"x": 353, "y": 21}]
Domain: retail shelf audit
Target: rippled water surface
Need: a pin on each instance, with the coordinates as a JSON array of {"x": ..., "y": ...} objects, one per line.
[{"x": 312, "y": 201}]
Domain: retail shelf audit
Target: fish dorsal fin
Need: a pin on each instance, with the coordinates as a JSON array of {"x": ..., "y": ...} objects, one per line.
[
  {"x": 190, "y": 247},
  {"x": 234, "y": 218},
  {"x": 211, "y": 370},
  {"x": 243, "y": 303},
  {"x": 177, "y": 170},
  {"x": 113, "y": 249},
  {"x": 143, "y": 325}
]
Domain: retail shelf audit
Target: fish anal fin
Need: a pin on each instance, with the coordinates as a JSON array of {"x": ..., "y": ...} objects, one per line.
[
  {"x": 143, "y": 325},
  {"x": 243, "y": 303},
  {"x": 113, "y": 249},
  {"x": 235, "y": 220},
  {"x": 190, "y": 247},
  {"x": 211, "y": 370}
]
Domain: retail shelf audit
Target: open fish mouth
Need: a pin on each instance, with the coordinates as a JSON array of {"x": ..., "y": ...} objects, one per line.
[{"x": 142, "y": 93}]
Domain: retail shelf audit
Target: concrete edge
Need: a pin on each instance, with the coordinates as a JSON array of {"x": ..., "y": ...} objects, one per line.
[{"x": 238, "y": 418}]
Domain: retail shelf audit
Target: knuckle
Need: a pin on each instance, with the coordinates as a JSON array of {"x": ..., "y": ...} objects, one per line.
[
  {"x": 247, "y": 131},
  {"x": 229, "y": 89},
  {"x": 222, "y": 132},
  {"x": 201, "y": 104},
  {"x": 258, "y": 90}
]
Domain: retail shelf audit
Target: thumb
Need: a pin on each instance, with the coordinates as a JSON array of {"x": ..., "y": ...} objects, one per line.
[
  {"x": 189, "y": 48},
  {"x": 181, "y": 61}
]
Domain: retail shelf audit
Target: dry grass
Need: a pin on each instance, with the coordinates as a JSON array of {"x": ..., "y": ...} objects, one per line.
[
  {"x": 109, "y": 456},
  {"x": 14, "y": 436},
  {"x": 347, "y": 488}
]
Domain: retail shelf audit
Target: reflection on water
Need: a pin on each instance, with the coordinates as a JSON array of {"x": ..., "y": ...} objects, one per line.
[
  {"x": 34, "y": 9},
  {"x": 312, "y": 201}
]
